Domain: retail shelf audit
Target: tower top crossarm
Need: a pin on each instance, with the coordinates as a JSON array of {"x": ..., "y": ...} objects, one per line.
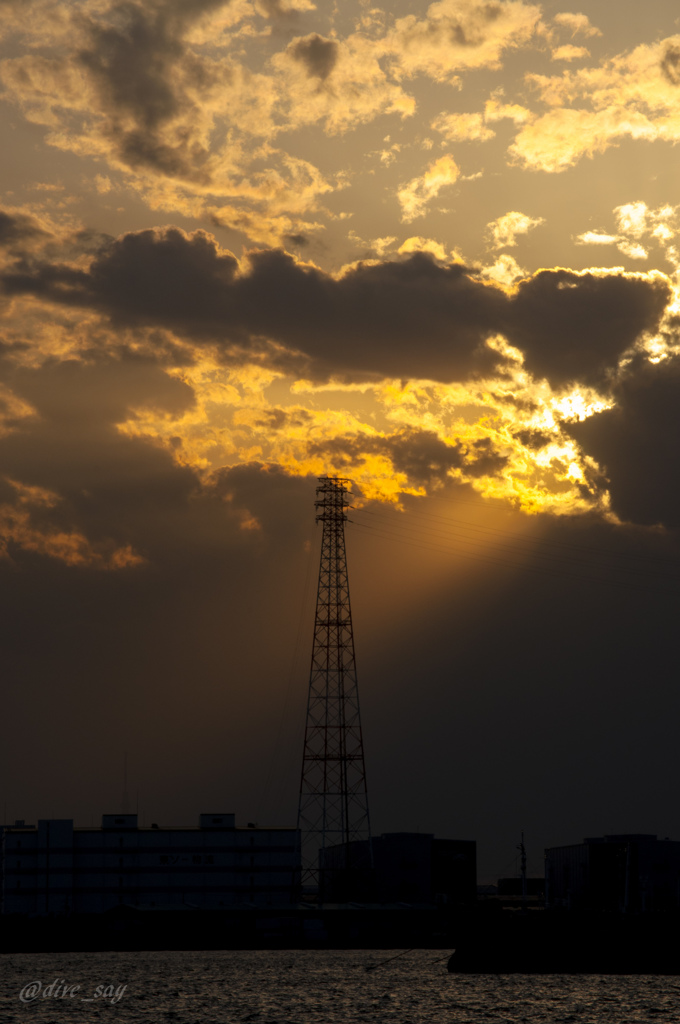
[{"x": 332, "y": 493}]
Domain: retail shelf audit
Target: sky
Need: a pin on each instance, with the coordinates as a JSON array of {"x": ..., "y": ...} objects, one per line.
[{"x": 432, "y": 249}]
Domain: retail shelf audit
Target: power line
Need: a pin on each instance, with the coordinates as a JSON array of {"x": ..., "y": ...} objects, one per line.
[
  {"x": 519, "y": 543},
  {"x": 523, "y": 566}
]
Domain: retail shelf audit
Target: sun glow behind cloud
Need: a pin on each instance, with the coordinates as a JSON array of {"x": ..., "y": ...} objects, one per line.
[
  {"x": 138, "y": 93},
  {"x": 503, "y": 438}
]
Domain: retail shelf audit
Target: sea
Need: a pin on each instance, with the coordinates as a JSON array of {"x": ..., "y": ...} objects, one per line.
[{"x": 313, "y": 987}]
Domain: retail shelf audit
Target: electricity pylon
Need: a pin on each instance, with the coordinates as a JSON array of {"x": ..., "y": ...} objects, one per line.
[{"x": 333, "y": 808}]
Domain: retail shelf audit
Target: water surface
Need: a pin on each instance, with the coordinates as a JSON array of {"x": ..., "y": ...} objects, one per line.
[{"x": 312, "y": 987}]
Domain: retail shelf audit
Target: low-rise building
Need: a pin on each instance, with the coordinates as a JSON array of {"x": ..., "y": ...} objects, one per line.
[
  {"x": 401, "y": 867},
  {"x": 56, "y": 868},
  {"x": 636, "y": 873}
]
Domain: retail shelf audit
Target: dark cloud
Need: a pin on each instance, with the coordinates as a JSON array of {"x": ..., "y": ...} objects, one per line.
[
  {"x": 133, "y": 61},
  {"x": 76, "y": 392},
  {"x": 410, "y": 318},
  {"x": 278, "y": 419},
  {"x": 18, "y": 228},
  {"x": 406, "y": 318},
  {"x": 637, "y": 443},
  {"x": 169, "y": 279},
  {"x": 285, "y": 17},
  {"x": 532, "y": 438},
  {"x": 670, "y": 63},
  {"x": 420, "y": 454},
  {"x": 298, "y": 240},
  {"x": 318, "y": 55},
  {"x": 424, "y": 457},
  {"x": 105, "y": 482},
  {"x": 130, "y": 66},
  {"x": 573, "y": 327},
  {"x": 110, "y": 486}
]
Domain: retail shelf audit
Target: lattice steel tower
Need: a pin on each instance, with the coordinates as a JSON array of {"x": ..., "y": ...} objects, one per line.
[{"x": 333, "y": 808}]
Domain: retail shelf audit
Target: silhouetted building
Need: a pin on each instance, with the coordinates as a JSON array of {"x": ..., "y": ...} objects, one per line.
[
  {"x": 56, "y": 868},
  {"x": 622, "y": 873},
  {"x": 407, "y": 867}
]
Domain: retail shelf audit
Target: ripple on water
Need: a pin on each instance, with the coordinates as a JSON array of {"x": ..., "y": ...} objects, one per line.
[{"x": 317, "y": 987}]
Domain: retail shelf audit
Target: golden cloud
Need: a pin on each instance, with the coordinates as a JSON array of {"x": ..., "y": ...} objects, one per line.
[
  {"x": 457, "y": 35},
  {"x": 416, "y": 194},
  {"x": 569, "y": 52},
  {"x": 633, "y": 95},
  {"x": 461, "y": 127},
  {"x": 578, "y": 24},
  {"x": 338, "y": 82},
  {"x": 504, "y": 230}
]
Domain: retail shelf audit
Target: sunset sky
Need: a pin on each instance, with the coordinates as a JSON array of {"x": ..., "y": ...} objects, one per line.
[{"x": 430, "y": 248}]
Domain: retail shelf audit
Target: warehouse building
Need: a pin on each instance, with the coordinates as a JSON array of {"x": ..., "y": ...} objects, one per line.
[
  {"x": 636, "y": 873},
  {"x": 56, "y": 868},
  {"x": 413, "y": 868}
]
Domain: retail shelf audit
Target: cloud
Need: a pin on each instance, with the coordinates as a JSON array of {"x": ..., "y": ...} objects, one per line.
[
  {"x": 18, "y": 229},
  {"x": 495, "y": 109},
  {"x": 65, "y": 464},
  {"x": 504, "y": 271},
  {"x": 632, "y": 95},
  {"x": 419, "y": 244},
  {"x": 18, "y": 531},
  {"x": 461, "y": 127},
  {"x": 637, "y": 443},
  {"x": 186, "y": 102},
  {"x": 421, "y": 456},
  {"x": 504, "y": 230},
  {"x": 632, "y": 218},
  {"x": 633, "y": 249},
  {"x": 318, "y": 55},
  {"x": 596, "y": 238},
  {"x": 415, "y": 196},
  {"x": 366, "y": 321},
  {"x": 569, "y": 53},
  {"x": 135, "y": 82},
  {"x": 574, "y": 326},
  {"x": 75, "y": 490},
  {"x": 155, "y": 90},
  {"x": 457, "y": 35},
  {"x": 636, "y": 222},
  {"x": 338, "y": 82},
  {"x": 579, "y": 24},
  {"x": 409, "y": 317}
]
